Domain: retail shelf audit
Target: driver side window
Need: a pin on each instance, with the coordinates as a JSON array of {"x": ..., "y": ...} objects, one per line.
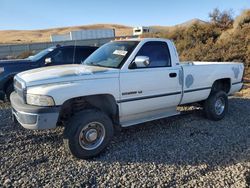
[
  {"x": 157, "y": 52},
  {"x": 58, "y": 57},
  {"x": 62, "y": 56}
]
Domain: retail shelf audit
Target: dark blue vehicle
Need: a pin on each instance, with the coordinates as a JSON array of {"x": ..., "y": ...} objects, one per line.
[{"x": 51, "y": 56}]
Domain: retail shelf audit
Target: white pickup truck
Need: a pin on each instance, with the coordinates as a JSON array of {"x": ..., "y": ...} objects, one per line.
[{"x": 123, "y": 83}]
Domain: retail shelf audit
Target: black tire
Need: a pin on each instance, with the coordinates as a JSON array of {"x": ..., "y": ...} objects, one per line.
[
  {"x": 213, "y": 110},
  {"x": 75, "y": 134},
  {"x": 8, "y": 91}
]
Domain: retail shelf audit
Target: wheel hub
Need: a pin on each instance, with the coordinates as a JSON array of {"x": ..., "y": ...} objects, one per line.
[
  {"x": 91, "y": 135},
  {"x": 219, "y": 106}
]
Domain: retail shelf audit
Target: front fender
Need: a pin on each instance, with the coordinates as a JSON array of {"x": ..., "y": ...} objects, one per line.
[{"x": 62, "y": 92}]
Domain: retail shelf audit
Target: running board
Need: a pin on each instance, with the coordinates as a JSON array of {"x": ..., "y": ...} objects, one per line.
[{"x": 149, "y": 116}]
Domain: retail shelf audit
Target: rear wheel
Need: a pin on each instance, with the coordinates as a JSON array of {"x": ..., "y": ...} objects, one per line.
[
  {"x": 216, "y": 106},
  {"x": 88, "y": 133}
]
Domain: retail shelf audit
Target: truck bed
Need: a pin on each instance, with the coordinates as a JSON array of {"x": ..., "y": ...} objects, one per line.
[{"x": 198, "y": 78}]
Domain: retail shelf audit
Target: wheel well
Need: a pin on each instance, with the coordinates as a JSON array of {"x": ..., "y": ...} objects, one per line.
[
  {"x": 7, "y": 83},
  {"x": 104, "y": 102},
  {"x": 221, "y": 85}
]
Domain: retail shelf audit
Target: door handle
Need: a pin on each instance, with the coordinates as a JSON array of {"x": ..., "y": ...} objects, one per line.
[{"x": 172, "y": 74}]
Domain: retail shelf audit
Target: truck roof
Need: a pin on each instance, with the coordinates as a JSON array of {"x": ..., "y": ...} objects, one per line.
[{"x": 144, "y": 39}]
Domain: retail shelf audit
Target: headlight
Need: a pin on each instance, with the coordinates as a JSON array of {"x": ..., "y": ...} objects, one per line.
[
  {"x": 1, "y": 70},
  {"x": 39, "y": 100}
]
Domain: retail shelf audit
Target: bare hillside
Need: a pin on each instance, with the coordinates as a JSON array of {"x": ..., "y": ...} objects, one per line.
[
  {"x": 27, "y": 36},
  {"x": 182, "y": 25}
]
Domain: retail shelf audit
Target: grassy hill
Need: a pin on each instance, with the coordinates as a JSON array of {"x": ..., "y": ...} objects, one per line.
[
  {"x": 223, "y": 38},
  {"x": 182, "y": 25},
  {"x": 29, "y": 36}
]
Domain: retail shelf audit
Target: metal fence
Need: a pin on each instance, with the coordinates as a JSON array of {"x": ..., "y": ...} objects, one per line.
[{"x": 13, "y": 50}]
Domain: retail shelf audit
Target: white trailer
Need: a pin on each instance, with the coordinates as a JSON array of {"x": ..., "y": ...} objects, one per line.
[
  {"x": 141, "y": 30},
  {"x": 84, "y": 34},
  {"x": 58, "y": 38},
  {"x": 92, "y": 34}
]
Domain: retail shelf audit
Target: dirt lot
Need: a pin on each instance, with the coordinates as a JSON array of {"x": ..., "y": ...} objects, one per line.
[{"x": 185, "y": 151}]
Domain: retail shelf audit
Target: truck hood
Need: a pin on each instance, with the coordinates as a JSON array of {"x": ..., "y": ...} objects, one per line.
[{"x": 65, "y": 73}]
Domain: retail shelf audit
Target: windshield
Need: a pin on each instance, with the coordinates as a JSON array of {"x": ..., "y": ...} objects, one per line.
[
  {"x": 112, "y": 54},
  {"x": 40, "y": 54}
]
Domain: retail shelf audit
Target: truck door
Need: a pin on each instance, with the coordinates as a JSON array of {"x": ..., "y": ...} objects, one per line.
[{"x": 152, "y": 88}]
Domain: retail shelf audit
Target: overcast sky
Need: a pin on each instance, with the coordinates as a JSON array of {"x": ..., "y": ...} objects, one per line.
[{"x": 42, "y": 14}]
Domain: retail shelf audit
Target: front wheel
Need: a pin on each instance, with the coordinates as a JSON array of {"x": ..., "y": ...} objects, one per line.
[
  {"x": 88, "y": 133},
  {"x": 216, "y": 106}
]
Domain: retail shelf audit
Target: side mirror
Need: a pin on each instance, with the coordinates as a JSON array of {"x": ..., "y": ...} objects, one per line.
[
  {"x": 48, "y": 60},
  {"x": 141, "y": 61}
]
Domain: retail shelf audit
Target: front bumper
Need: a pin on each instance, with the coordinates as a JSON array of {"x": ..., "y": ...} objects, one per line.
[
  {"x": 2, "y": 95},
  {"x": 33, "y": 117}
]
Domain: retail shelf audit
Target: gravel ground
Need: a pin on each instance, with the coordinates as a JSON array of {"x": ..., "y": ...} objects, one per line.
[{"x": 185, "y": 151}]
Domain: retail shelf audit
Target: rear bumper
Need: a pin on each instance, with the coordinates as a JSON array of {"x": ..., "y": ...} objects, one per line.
[
  {"x": 2, "y": 95},
  {"x": 33, "y": 117}
]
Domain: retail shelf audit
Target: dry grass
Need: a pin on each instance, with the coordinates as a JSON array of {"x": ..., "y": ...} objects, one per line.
[
  {"x": 245, "y": 92},
  {"x": 29, "y": 36}
]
